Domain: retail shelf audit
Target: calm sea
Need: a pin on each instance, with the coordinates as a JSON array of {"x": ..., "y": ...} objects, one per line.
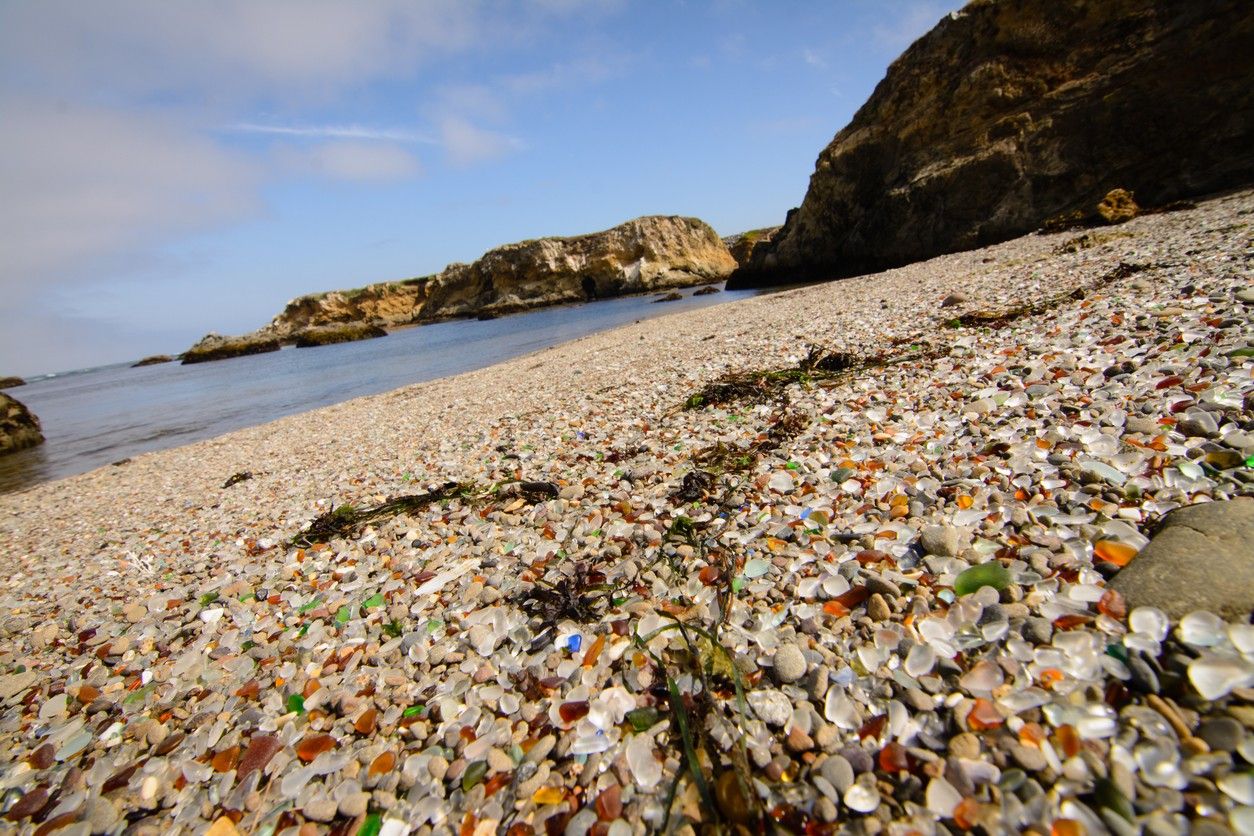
[{"x": 97, "y": 416}]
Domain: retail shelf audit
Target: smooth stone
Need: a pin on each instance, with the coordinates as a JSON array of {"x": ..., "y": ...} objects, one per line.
[
  {"x": 355, "y": 804},
  {"x": 773, "y": 707},
  {"x": 955, "y": 298},
  {"x": 789, "y": 663},
  {"x": 1197, "y": 423},
  {"x": 1222, "y": 734},
  {"x": 837, "y": 771},
  {"x": 1030, "y": 758},
  {"x": 965, "y": 745},
  {"x": 877, "y": 608},
  {"x": 944, "y": 540},
  {"x": 1199, "y": 560},
  {"x": 1246, "y": 295},
  {"x": 321, "y": 808}
]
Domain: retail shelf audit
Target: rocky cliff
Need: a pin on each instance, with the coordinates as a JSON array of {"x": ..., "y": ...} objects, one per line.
[
  {"x": 19, "y": 429},
  {"x": 1012, "y": 112},
  {"x": 642, "y": 255}
]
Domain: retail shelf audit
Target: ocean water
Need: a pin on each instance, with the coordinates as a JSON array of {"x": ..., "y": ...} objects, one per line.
[{"x": 97, "y": 416}]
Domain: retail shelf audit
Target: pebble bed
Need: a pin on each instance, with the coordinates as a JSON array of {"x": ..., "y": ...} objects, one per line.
[{"x": 867, "y": 602}]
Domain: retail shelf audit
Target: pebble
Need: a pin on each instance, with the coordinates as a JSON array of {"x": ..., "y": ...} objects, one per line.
[
  {"x": 877, "y": 608},
  {"x": 1222, "y": 734},
  {"x": 789, "y": 663},
  {"x": 773, "y": 707},
  {"x": 943, "y": 540}
]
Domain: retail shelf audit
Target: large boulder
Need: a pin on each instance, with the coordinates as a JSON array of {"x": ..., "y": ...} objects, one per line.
[
  {"x": 1011, "y": 113},
  {"x": 10, "y": 382},
  {"x": 19, "y": 429},
  {"x": 639, "y": 256},
  {"x": 1200, "y": 559}
]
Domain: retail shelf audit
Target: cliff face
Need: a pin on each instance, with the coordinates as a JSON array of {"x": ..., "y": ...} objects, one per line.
[
  {"x": 642, "y": 255},
  {"x": 1012, "y": 112},
  {"x": 19, "y": 428}
]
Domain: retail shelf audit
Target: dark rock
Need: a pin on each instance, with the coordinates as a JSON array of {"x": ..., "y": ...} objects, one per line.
[
  {"x": 153, "y": 360},
  {"x": 1010, "y": 113},
  {"x": 706, "y": 291},
  {"x": 341, "y": 333},
  {"x": 217, "y": 347},
  {"x": 673, "y": 296},
  {"x": 10, "y": 382},
  {"x": 19, "y": 429},
  {"x": 1200, "y": 559}
]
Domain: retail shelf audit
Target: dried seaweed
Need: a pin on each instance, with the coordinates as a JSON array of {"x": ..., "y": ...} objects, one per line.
[
  {"x": 347, "y": 521},
  {"x": 583, "y": 595}
]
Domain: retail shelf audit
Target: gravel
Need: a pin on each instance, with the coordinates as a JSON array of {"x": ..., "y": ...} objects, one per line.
[{"x": 932, "y": 528}]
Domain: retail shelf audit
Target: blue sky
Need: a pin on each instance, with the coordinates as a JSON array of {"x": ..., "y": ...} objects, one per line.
[{"x": 173, "y": 167}]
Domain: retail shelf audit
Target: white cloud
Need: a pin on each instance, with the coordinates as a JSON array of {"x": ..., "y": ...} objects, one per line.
[
  {"x": 360, "y": 162},
  {"x": 813, "y": 59},
  {"x": 226, "y": 50},
  {"x": 466, "y": 144},
  {"x": 82, "y": 184},
  {"x": 336, "y": 132}
]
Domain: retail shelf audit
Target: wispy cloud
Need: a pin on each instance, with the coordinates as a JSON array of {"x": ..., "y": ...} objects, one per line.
[
  {"x": 467, "y": 144},
  {"x": 813, "y": 59},
  {"x": 352, "y": 161},
  {"x": 361, "y": 132}
]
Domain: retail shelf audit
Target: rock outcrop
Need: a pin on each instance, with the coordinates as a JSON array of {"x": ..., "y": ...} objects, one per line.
[
  {"x": 741, "y": 246},
  {"x": 642, "y": 255},
  {"x": 19, "y": 428},
  {"x": 154, "y": 360},
  {"x": 218, "y": 347},
  {"x": 1012, "y": 112},
  {"x": 10, "y": 382},
  {"x": 331, "y": 334}
]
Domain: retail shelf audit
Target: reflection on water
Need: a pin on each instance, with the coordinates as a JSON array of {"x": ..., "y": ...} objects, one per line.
[{"x": 98, "y": 416}]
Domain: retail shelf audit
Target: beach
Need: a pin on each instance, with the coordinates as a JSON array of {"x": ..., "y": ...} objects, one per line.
[{"x": 507, "y": 652}]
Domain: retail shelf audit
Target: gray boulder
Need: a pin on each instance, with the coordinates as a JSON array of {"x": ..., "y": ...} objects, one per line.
[{"x": 1201, "y": 559}]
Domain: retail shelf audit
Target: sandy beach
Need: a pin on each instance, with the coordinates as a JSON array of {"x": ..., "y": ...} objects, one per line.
[{"x": 169, "y": 659}]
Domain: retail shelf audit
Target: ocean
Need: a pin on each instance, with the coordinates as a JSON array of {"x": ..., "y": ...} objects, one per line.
[{"x": 93, "y": 417}]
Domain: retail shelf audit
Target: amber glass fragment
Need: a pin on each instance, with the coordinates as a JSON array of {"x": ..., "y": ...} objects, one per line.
[
  {"x": 313, "y": 745},
  {"x": 225, "y": 760},
  {"x": 1112, "y": 551},
  {"x": 609, "y": 803},
  {"x": 1067, "y": 827},
  {"x": 1112, "y": 604},
  {"x": 1068, "y": 740},
  {"x": 984, "y": 716},
  {"x": 572, "y": 711},
  {"x": 366, "y": 723},
  {"x": 383, "y": 764},
  {"x": 494, "y": 784},
  {"x": 594, "y": 652}
]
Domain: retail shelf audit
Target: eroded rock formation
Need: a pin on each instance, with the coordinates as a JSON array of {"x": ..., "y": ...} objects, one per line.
[
  {"x": 1010, "y": 113},
  {"x": 642, "y": 255},
  {"x": 19, "y": 428},
  {"x": 218, "y": 347}
]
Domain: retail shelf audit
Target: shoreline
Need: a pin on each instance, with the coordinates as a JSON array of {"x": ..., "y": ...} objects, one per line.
[{"x": 158, "y": 548}]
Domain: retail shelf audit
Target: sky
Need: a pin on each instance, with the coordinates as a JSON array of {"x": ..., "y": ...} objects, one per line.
[{"x": 174, "y": 167}]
